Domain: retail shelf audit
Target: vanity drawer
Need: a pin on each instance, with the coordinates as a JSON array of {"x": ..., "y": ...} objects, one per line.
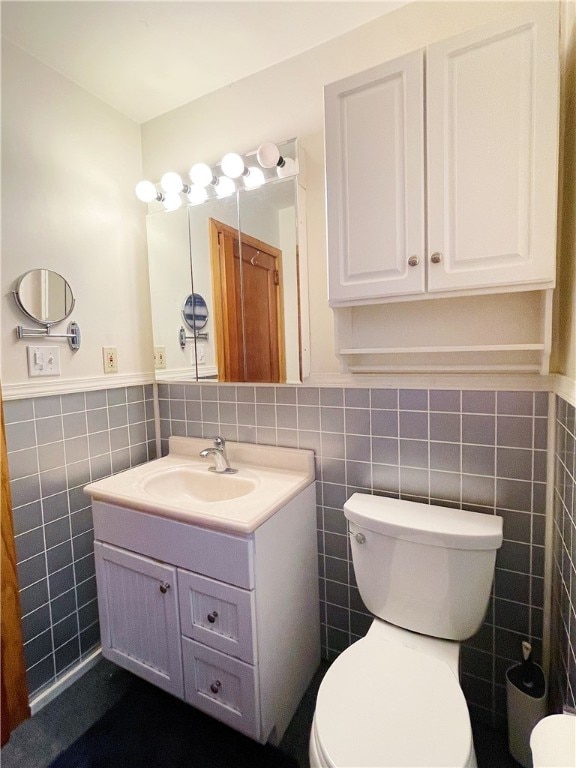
[
  {"x": 218, "y": 615},
  {"x": 221, "y": 686},
  {"x": 215, "y": 554}
]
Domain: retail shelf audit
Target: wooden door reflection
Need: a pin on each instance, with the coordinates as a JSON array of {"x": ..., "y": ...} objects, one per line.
[{"x": 248, "y": 306}]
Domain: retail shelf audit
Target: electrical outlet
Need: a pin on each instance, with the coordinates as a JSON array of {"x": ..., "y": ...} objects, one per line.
[
  {"x": 200, "y": 353},
  {"x": 110, "y": 359},
  {"x": 159, "y": 357},
  {"x": 43, "y": 361}
]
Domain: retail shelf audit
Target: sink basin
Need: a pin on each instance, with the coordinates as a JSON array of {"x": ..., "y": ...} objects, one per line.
[
  {"x": 197, "y": 484},
  {"x": 182, "y": 487}
]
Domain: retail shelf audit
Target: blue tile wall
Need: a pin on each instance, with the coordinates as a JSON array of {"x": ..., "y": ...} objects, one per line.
[
  {"x": 478, "y": 450},
  {"x": 563, "y": 621},
  {"x": 56, "y": 445}
]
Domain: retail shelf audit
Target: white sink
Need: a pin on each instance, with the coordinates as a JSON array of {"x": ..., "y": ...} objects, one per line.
[
  {"x": 195, "y": 484},
  {"x": 181, "y": 485}
]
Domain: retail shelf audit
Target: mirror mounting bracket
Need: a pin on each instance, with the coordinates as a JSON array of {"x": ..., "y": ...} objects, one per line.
[
  {"x": 183, "y": 337},
  {"x": 74, "y": 337}
]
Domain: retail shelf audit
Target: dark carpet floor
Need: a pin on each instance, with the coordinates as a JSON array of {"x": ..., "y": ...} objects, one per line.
[{"x": 149, "y": 727}]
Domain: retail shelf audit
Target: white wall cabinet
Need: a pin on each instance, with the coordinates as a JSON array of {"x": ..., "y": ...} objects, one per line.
[
  {"x": 441, "y": 174},
  {"x": 489, "y": 123},
  {"x": 228, "y": 623}
]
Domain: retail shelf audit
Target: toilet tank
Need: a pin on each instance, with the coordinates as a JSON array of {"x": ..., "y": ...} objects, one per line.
[{"x": 423, "y": 567}]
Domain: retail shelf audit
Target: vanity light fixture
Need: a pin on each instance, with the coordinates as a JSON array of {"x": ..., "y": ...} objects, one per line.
[
  {"x": 172, "y": 184},
  {"x": 234, "y": 172},
  {"x": 197, "y": 194},
  {"x": 172, "y": 201},
  {"x": 201, "y": 174},
  {"x": 225, "y": 187},
  {"x": 254, "y": 178},
  {"x": 233, "y": 166},
  {"x": 269, "y": 156},
  {"x": 146, "y": 192}
]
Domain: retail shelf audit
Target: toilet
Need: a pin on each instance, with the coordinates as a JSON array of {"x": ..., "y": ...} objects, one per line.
[{"x": 393, "y": 698}]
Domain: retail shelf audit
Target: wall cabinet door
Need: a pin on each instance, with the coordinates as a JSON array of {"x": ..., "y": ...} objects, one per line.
[
  {"x": 375, "y": 173},
  {"x": 491, "y": 128},
  {"x": 492, "y": 110},
  {"x": 140, "y": 626}
]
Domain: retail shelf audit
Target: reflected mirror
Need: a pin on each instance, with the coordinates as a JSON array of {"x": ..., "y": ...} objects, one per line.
[
  {"x": 240, "y": 253},
  {"x": 195, "y": 312},
  {"x": 44, "y": 296}
]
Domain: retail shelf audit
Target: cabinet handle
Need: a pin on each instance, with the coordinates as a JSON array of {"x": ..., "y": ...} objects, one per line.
[
  {"x": 212, "y": 617},
  {"x": 215, "y": 687},
  {"x": 164, "y": 587},
  {"x": 436, "y": 258},
  {"x": 413, "y": 261}
]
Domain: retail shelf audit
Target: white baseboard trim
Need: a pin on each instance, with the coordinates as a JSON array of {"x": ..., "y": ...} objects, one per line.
[{"x": 65, "y": 681}]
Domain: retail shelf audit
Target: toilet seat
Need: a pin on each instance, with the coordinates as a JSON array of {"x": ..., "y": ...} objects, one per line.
[{"x": 389, "y": 705}]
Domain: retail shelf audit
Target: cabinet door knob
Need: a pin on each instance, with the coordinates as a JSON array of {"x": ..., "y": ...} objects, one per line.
[
  {"x": 436, "y": 258},
  {"x": 164, "y": 587},
  {"x": 413, "y": 261},
  {"x": 212, "y": 617},
  {"x": 215, "y": 687}
]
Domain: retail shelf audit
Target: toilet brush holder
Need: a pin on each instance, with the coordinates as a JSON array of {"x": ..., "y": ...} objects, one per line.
[{"x": 526, "y": 707}]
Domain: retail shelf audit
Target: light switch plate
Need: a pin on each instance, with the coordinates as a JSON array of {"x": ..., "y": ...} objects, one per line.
[
  {"x": 159, "y": 357},
  {"x": 43, "y": 361}
]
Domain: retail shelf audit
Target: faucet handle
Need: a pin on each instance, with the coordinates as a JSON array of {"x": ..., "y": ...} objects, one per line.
[{"x": 219, "y": 442}]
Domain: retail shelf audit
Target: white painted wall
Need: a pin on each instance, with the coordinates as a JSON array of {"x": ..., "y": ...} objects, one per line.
[
  {"x": 69, "y": 166},
  {"x": 286, "y": 100}
]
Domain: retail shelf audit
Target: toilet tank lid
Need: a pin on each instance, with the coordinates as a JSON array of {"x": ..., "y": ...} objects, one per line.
[{"x": 425, "y": 523}]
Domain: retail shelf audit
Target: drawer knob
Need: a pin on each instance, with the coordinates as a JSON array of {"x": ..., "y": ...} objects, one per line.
[
  {"x": 413, "y": 261},
  {"x": 436, "y": 258},
  {"x": 212, "y": 617},
  {"x": 215, "y": 687},
  {"x": 164, "y": 587}
]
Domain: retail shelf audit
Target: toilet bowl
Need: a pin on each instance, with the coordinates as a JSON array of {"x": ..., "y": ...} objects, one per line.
[{"x": 393, "y": 698}]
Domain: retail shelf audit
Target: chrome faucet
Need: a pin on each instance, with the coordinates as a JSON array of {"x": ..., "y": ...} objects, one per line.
[{"x": 221, "y": 463}]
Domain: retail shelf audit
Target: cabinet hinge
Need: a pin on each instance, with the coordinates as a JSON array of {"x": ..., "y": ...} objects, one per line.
[{"x": 276, "y": 277}]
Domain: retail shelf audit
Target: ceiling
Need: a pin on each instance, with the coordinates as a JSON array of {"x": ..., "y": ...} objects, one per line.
[{"x": 146, "y": 58}]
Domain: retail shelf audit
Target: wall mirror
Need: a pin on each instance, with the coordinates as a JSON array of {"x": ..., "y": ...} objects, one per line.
[
  {"x": 242, "y": 254},
  {"x": 44, "y": 296}
]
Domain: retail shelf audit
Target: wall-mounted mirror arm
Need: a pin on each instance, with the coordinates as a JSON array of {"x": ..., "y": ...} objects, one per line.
[
  {"x": 74, "y": 337},
  {"x": 183, "y": 337}
]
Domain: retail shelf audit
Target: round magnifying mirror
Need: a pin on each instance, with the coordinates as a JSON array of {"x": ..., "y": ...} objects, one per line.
[
  {"x": 44, "y": 296},
  {"x": 195, "y": 312}
]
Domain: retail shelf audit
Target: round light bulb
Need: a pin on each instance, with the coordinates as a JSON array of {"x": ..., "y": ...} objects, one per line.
[
  {"x": 232, "y": 165},
  {"x": 288, "y": 169},
  {"x": 201, "y": 174},
  {"x": 146, "y": 191},
  {"x": 254, "y": 179},
  {"x": 225, "y": 187},
  {"x": 197, "y": 194},
  {"x": 171, "y": 183},
  {"x": 172, "y": 202},
  {"x": 268, "y": 154}
]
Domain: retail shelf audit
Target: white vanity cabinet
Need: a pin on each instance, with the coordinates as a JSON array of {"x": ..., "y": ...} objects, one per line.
[
  {"x": 452, "y": 192},
  {"x": 228, "y": 622}
]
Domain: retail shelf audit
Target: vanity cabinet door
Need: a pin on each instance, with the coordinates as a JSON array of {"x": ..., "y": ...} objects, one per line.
[
  {"x": 138, "y": 605},
  {"x": 492, "y": 132},
  {"x": 375, "y": 181},
  {"x": 218, "y": 615}
]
